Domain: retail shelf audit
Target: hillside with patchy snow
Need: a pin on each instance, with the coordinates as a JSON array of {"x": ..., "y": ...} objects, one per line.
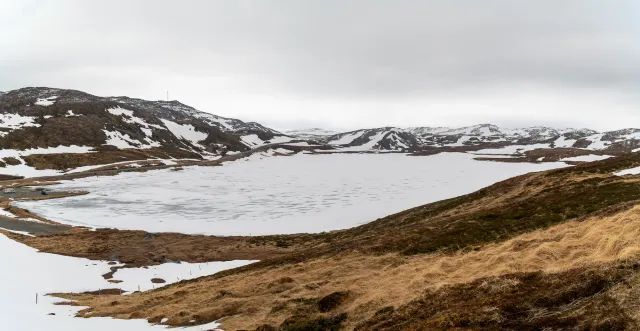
[
  {"x": 46, "y": 128},
  {"x": 96, "y": 130},
  {"x": 46, "y": 117},
  {"x": 482, "y": 136}
]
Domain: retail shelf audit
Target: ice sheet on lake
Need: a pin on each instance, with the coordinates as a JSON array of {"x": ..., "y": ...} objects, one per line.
[{"x": 271, "y": 195}]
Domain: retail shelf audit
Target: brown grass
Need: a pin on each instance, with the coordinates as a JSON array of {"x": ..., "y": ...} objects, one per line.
[
  {"x": 391, "y": 261},
  {"x": 102, "y": 156},
  {"x": 374, "y": 282},
  {"x": 139, "y": 248}
]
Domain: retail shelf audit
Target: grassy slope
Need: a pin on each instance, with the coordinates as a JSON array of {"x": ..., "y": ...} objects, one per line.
[{"x": 390, "y": 262}]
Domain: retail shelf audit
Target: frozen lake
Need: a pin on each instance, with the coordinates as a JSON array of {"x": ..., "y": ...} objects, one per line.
[{"x": 302, "y": 193}]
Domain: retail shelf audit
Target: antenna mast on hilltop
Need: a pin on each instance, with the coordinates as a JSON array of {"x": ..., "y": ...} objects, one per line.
[{"x": 167, "y": 96}]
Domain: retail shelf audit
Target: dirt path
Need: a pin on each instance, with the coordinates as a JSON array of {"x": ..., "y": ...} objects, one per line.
[{"x": 31, "y": 227}]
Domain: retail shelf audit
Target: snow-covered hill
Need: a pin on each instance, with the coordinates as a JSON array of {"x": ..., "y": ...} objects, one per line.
[
  {"x": 47, "y": 117},
  {"x": 485, "y": 135}
]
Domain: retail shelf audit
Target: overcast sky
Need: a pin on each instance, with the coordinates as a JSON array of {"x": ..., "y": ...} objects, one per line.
[{"x": 341, "y": 64}]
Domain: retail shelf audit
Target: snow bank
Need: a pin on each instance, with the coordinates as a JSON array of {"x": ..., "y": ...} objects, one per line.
[
  {"x": 272, "y": 195},
  {"x": 587, "y": 158},
  {"x": 632, "y": 171},
  {"x": 132, "y": 278},
  {"x": 26, "y": 272}
]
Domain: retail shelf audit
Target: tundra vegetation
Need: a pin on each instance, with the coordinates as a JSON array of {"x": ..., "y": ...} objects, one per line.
[{"x": 555, "y": 249}]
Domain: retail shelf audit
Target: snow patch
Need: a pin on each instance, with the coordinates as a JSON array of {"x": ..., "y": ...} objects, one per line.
[
  {"x": 17, "y": 121},
  {"x": 71, "y": 114},
  {"x": 563, "y": 142},
  {"x": 170, "y": 272},
  {"x": 27, "y": 272},
  {"x": 597, "y": 142},
  {"x": 252, "y": 140},
  {"x": 368, "y": 145},
  {"x": 122, "y": 141},
  {"x": 346, "y": 138},
  {"x": 27, "y": 171},
  {"x": 632, "y": 171},
  {"x": 586, "y": 158},
  {"x": 513, "y": 149},
  {"x": 46, "y": 101},
  {"x": 185, "y": 131},
  {"x": 24, "y": 233},
  {"x": 282, "y": 151}
]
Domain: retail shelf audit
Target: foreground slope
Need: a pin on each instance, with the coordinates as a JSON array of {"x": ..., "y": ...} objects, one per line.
[{"x": 556, "y": 249}]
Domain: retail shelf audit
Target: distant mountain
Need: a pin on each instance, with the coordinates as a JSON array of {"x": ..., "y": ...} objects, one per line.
[
  {"x": 310, "y": 134},
  {"x": 482, "y": 135}
]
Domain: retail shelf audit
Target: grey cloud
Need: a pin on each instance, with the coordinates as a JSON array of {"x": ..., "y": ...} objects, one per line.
[{"x": 356, "y": 50}]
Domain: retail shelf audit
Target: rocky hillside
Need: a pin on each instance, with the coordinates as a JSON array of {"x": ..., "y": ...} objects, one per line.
[{"x": 46, "y": 117}]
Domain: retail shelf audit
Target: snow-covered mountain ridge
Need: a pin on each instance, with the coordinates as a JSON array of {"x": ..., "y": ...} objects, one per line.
[
  {"x": 417, "y": 138},
  {"x": 40, "y": 127}
]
